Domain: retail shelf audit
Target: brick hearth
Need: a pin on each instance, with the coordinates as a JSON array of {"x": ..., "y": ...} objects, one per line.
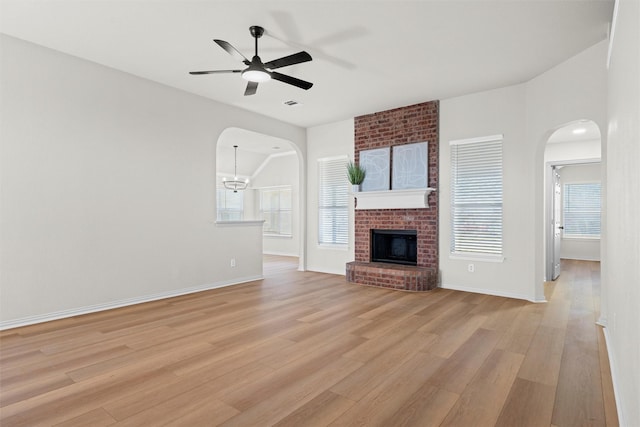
[{"x": 401, "y": 277}]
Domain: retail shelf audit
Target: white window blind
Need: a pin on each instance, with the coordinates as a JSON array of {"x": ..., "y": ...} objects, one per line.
[
  {"x": 333, "y": 202},
  {"x": 581, "y": 210},
  {"x": 230, "y": 205},
  {"x": 275, "y": 208},
  {"x": 476, "y": 196}
]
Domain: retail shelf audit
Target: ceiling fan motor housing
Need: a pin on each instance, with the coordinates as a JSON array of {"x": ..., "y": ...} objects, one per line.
[{"x": 256, "y": 31}]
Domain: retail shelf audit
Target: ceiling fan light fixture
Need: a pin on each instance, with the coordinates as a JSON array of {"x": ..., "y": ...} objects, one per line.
[
  {"x": 256, "y": 72},
  {"x": 255, "y": 75}
]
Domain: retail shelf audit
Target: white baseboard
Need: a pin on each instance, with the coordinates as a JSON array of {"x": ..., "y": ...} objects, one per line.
[
  {"x": 280, "y": 253},
  {"x": 340, "y": 272},
  {"x": 602, "y": 321},
  {"x": 40, "y": 318},
  {"x": 613, "y": 365},
  {"x": 580, "y": 258},
  {"x": 490, "y": 292}
]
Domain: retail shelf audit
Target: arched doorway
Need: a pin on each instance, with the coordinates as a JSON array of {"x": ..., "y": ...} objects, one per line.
[
  {"x": 273, "y": 169},
  {"x": 572, "y": 158}
]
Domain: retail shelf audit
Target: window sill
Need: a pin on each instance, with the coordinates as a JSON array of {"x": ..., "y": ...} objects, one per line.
[
  {"x": 333, "y": 247},
  {"x": 477, "y": 257},
  {"x": 278, "y": 236},
  {"x": 581, "y": 238},
  {"x": 258, "y": 223}
]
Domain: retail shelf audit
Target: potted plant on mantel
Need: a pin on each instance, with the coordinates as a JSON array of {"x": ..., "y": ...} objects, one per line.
[{"x": 355, "y": 175}]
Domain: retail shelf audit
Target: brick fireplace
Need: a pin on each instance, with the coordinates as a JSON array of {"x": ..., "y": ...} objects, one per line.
[{"x": 415, "y": 123}]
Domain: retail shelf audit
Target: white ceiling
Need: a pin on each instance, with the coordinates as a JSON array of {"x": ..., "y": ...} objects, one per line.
[
  {"x": 368, "y": 55},
  {"x": 254, "y": 149},
  {"x": 256, "y": 142}
]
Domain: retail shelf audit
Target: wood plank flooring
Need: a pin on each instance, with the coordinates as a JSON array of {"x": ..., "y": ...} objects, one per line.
[{"x": 310, "y": 349}]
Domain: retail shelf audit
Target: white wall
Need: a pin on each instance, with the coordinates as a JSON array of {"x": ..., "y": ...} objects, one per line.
[
  {"x": 527, "y": 115},
  {"x": 582, "y": 249},
  {"x": 107, "y": 192},
  {"x": 569, "y": 151},
  {"x": 500, "y": 111},
  {"x": 331, "y": 140},
  {"x": 621, "y": 280},
  {"x": 573, "y": 90},
  {"x": 248, "y": 161},
  {"x": 280, "y": 171}
]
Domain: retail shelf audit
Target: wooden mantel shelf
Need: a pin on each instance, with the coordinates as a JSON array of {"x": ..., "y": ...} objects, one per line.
[{"x": 393, "y": 199}]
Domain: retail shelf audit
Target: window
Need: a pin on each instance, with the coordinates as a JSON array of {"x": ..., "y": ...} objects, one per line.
[
  {"x": 333, "y": 202},
  {"x": 476, "y": 196},
  {"x": 275, "y": 209},
  {"x": 230, "y": 205},
  {"x": 581, "y": 210}
]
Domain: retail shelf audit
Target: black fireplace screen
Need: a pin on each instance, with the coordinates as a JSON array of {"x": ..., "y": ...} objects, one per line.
[{"x": 394, "y": 246}]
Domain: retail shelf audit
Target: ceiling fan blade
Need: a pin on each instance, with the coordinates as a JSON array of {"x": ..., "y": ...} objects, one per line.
[
  {"x": 196, "y": 73},
  {"x": 296, "y": 58},
  {"x": 232, "y": 51},
  {"x": 291, "y": 80},
  {"x": 251, "y": 88}
]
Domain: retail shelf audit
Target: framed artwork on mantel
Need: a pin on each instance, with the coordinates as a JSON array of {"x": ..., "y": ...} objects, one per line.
[
  {"x": 376, "y": 163},
  {"x": 410, "y": 166}
]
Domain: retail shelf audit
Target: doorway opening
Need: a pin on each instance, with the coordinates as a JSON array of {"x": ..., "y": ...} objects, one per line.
[
  {"x": 573, "y": 177},
  {"x": 272, "y": 168}
]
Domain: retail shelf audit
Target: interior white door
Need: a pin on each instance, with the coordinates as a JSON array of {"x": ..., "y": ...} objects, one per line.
[{"x": 557, "y": 223}]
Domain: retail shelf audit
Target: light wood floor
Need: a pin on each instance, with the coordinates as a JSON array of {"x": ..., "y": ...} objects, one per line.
[{"x": 309, "y": 349}]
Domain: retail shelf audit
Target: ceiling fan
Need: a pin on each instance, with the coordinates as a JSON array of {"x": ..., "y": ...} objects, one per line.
[{"x": 256, "y": 70}]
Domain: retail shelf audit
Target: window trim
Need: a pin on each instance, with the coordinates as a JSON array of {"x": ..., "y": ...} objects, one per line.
[
  {"x": 580, "y": 237},
  {"x": 219, "y": 209},
  {"x": 290, "y": 210},
  {"x": 468, "y": 255},
  {"x": 332, "y": 245}
]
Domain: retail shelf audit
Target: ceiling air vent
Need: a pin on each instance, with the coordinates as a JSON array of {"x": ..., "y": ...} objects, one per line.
[{"x": 292, "y": 103}]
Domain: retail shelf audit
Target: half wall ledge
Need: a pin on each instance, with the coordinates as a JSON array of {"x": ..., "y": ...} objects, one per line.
[{"x": 392, "y": 276}]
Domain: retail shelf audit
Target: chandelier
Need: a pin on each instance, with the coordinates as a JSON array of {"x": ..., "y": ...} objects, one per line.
[{"x": 235, "y": 184}]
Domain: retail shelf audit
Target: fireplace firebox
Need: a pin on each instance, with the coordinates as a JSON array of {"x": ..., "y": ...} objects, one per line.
[{"x": 394, "y": 246}]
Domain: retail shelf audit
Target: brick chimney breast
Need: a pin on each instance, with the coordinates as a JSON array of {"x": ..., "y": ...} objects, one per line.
[
  {"x": 411, "y": 124},
  {"x": 414, "y": 123}
]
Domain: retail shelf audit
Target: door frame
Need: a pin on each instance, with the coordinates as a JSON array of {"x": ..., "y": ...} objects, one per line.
[{"x": 555, "y": 222}]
